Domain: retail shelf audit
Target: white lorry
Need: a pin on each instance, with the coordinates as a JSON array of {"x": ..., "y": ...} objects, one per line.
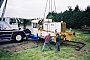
[
  {"x": 44, "y": 26},
  {"x": 9, "y": 28}
]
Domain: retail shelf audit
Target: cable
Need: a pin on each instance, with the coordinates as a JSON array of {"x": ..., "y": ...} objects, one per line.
[
  {"x": 54, "y": 6},
  {"x": 45, "y": 8},
  {"x": 50, "y": 6}
]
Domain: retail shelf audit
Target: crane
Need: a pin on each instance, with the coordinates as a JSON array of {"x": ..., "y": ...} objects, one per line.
[
  {"x": 8, "y": 30},
  {"x": 1, "y": 1},
  {"x": 4, "y": 8}
]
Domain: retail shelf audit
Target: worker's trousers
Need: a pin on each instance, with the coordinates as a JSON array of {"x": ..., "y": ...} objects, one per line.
[
  {"x": 45, "y": 45},
  {"x": 57, "y": 46}
]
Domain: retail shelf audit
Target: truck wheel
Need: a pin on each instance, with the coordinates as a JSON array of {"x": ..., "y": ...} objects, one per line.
[{"x": 17, "y": 37}]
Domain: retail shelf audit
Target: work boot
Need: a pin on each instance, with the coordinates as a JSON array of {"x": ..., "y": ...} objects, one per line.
[
  {"x": 51, "y": 49},
  {"x": 56, "y": 51},
  {"x": 42, "y": 50}
]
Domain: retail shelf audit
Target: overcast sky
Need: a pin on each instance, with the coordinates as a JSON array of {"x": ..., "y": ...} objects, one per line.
[{"x": 36, "y": 8}]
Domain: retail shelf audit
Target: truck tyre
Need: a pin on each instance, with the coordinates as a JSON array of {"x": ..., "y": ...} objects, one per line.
[{"x": 17, "y": 37}]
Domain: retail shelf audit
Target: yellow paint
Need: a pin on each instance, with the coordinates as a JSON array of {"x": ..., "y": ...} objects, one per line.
[
  {"x": 68, "y": 35},
  {"x": 63, "y": 34},
  {"x": 54, "y": 37},
  {"x": 63, "y": 27}
]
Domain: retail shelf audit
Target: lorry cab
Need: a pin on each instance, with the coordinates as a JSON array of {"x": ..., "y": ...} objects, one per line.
[
  {"x": 9, "y": 23},
  {"x": 34, "y": 26}
]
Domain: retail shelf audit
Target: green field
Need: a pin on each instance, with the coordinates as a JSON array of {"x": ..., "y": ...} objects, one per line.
[{"x": 66, "y": 52}]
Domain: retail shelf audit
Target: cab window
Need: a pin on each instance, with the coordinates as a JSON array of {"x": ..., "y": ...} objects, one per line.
[
  {"x": 12, "y": 21},
  {"x": 35, "y": 25}
]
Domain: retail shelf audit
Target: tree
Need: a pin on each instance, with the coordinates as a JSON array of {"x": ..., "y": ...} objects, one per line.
[
  {"x": 74, "y": 18},
  {"x": 76, "y": 8},
  {"x": 87, "y": 16},
  {"x": 53, "y": 15}
]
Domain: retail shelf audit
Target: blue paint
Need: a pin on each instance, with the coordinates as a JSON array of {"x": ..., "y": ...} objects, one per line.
[
  {"x": 33, "y": 37},
  {"x": 27, "y": 31},
  {"x": 4, "y": 36},
  {"x": 52, "y": 39}
]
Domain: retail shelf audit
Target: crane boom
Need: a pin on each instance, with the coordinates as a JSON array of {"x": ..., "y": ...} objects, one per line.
[
  {"x": 4, "y": 8},
  {"x": 3, "y": 12},
  {"x": 1, "y": 1}
]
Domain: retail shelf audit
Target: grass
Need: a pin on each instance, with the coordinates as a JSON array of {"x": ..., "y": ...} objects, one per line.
[{"x": 66, "y": 53}]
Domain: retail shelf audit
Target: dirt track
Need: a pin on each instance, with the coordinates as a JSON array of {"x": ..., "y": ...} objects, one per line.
[
  {"x": 18, "y": 46},
  {"x": 11, "y": 46}
]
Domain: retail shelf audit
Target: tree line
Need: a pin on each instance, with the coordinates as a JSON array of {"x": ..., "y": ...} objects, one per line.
[{"x": 74, "y": 18}]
